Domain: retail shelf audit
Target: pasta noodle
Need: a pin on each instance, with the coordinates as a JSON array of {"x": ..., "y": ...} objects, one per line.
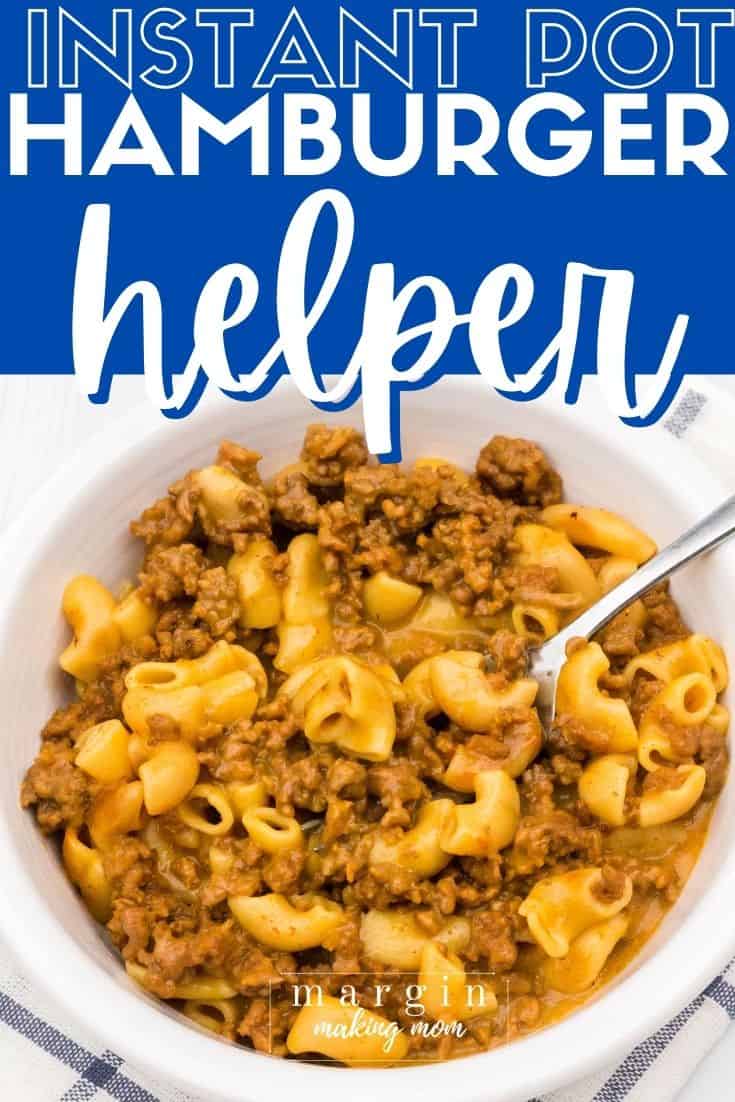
[{"x": 579, "y": 695}]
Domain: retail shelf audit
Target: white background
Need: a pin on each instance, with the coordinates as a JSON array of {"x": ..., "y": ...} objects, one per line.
[{"x": 41, "y": 423}]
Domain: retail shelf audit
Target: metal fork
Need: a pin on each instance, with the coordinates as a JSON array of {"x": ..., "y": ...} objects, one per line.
[{"x": 546, "y": 661}]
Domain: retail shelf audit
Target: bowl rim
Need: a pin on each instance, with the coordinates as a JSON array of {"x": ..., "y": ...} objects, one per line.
[{"x": 155, "y": 1042}]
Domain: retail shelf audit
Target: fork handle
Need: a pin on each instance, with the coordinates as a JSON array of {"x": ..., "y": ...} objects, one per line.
[{"x": 706, "y": 534}]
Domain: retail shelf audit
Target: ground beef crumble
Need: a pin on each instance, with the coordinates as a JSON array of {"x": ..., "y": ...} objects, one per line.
[{"x": 519, "y": 469}]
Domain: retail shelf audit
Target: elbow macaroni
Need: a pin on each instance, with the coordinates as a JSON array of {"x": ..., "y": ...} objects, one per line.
[
  {"x": 662, "y": 805},
  {"x": 222, "y": 686},
  {"x": 102, "y": 752},
  {"x": 339, "y": 700},
  {"x": 587, "y": 956},
  {"x": 437, "y": 614},
  {"x": 245, "y": 795},
  {"x": 420, "y": 848},
  {"x": 579, "y": 695},
  {"x": 560, "y": 908},
  {"x": 330, "y": 1029},
  {"x": 168, "y": 776},
  {"x": 615, "y": 570},
  {"x": 89, "y": 608},
  {"x": 601, "y": 529},
  {"x": 220, "y": 492},
  {"x": 687, "y": 701},
  {"x": 541, "y": 546},
  {"x": 207, "y": 809},
  {"x": 418, "y": 685},
  {"x": 490, "y": 823},
  {"x": 116, "y": 811},
  {"x": 204, "y": 989},
  {"x": 135, "y": 617},
  {"x": 388, "y": 599},
  {"x": 272, "y": 831},
  {"x": 472, "y": 698},
  {"x": 534, "y": 622},
  {"x": 305, "y": 630},
  {"x": 603, "y": 786},
  {"x": 257, "y": 591},
  {"x": 447, "y": 995},
  {"x": 101, "y": 624},
  {"x": 396, "y": 937},
  {"x": 219, "y": 661},
  {"x": 520, "y": 746},
  {"x": 85, "y": 868},
  {"x": 218, "y": 1015},
  {"x": 275, "y": 922},
  {"x": 695, "y": 654}
]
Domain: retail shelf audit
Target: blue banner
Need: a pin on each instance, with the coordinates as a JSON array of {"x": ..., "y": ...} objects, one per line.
[{"x": 220, "y": 194}]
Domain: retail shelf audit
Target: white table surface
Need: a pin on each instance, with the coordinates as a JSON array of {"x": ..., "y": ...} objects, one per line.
[{"x": 41, "y": 422}]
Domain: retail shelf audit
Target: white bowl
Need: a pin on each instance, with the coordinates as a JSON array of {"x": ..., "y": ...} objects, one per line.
[{"x": 79, "y": 523}]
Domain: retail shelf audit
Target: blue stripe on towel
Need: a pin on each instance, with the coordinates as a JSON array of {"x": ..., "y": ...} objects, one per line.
[
  {"x": 98, "y": 1073},
  {"x": 48, "y": 1038},
  {"x": 95, "y": 1071},
  {"x": 622, "y": 1081},
  {"x": 723, "y": 993},
  {"x": 125, "y": 1090}
]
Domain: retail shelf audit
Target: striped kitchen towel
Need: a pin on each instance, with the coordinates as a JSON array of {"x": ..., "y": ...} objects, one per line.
[{"x": 43, "y": 1058}]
